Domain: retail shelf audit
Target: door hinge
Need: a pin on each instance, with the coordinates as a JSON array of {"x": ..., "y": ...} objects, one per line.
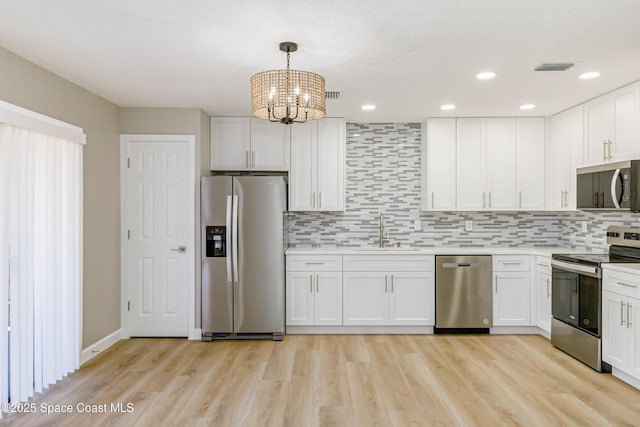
[
  {"x": 128, "y": 234},
  {"x": 128, "y": 305},
  {"x": 128, "y": 162}
]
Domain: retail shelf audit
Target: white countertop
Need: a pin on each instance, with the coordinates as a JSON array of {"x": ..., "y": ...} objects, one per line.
[
  {"x": 443, "y": 250},
  {"x": 625, "y": 268}
]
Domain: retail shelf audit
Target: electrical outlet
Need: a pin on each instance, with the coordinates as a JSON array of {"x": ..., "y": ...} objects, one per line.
[
  {"x": 417, "y": 225},
  {"x": 468, "y": 225},
  {"x": 584, "y": 226}
]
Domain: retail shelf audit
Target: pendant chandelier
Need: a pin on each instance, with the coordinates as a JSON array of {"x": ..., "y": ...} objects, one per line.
[{"x": 288, "y": 96}]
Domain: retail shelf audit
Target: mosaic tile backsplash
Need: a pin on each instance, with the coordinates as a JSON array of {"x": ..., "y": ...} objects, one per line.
[
  {"x": 383, "y": 177},
  {"x": 597, "y": 223}
]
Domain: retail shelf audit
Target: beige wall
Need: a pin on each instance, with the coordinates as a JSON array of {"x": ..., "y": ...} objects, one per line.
[
  {"x": 30, "y": 86},
  {"x": 180, "y": 121}
]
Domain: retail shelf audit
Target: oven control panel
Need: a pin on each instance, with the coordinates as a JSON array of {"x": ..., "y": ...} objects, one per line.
[{"x": 623, "y": 236}]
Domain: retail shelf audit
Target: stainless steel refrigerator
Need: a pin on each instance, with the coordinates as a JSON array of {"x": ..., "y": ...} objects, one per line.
[{"x": 242, "y": 225}]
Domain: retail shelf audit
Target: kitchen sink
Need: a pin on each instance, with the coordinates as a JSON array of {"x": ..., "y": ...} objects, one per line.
[{"x": 389, "y": 249}]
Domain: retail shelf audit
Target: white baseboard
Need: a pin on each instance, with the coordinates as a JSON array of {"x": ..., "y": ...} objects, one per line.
[
  {"x": 515, "y": 330},
  {"x": 94, "y": 349},
  {"x": 359, "y": 330},
  {"x": 196, "y": 334},
  {"x": 623, "y": 376}
]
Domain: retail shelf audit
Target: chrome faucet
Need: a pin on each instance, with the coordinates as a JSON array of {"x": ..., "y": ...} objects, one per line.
[{"x": 381, "y": 236}]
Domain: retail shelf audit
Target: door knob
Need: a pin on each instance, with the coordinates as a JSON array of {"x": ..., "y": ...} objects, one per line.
[{"x": 180, "y": 249}]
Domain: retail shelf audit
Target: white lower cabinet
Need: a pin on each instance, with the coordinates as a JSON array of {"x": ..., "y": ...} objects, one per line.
[
  {"x": 543, "y": 293},
  {"x": 384, "y": 296},
  {"x": 314, "y": 296},
  {"x": 511, "y": 290},
  {"x": 620, "y": 317}
]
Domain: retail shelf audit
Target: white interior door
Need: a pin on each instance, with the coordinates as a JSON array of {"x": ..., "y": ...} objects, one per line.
[{"x": 158, "y": 261}]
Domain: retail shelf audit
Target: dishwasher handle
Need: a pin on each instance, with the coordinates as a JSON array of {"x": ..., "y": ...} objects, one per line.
[{"x": 462, "y": 265}]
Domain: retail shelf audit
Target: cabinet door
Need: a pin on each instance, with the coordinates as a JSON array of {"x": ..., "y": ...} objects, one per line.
[
  {"x": 331, "y": 148},
  {"x": 501, "y": 164},
  {"x": 626, "y": 123},
  {"x": 230, "y": 143},
  {"x": 598, "y": 116},
  {"x": 303, "y": 172},
  {"x": 511, "y": 299},
  {"x": 564, "y": 154},
  {"x": 439, "y": 165},
  {"x": 634, "y": 341},
  {"x": 328, "y": 298},
  {"x": 300, "y": 297},
  {"x": 412, "y": 299},
  {"x": 530, "y": 141},
  {"x": 543, "y": 296},
  {"x": 269, "y": 145},
  {"x": 614, "y": 330},
  {"x": 470, "y": 160},
  {"x": 365, "y": 298}
]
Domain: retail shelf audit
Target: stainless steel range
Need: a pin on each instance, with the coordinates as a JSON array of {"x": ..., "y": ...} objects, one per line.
[{"x": 576, "y": 299}]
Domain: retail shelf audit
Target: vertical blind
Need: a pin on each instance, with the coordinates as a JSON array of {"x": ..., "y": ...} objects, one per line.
[{"x": 40, "y": 254}]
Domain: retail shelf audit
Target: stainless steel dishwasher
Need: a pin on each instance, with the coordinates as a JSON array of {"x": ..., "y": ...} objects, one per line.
[{"x": 464, "y": 293}]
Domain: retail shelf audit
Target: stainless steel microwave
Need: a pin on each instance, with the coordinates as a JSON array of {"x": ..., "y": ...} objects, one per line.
[{"x": 610, "y": 186}]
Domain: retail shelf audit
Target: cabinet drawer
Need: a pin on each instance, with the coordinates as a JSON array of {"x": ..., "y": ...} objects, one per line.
[
  {"x": 400, "y": 262},
  {"x": 510, "y": 262},
  {"x": 314, "y": 262},
  {"x": 627, "y": 284}
]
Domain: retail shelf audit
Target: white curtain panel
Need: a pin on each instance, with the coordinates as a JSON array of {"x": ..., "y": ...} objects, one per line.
[{"x": 40, "y": 223}]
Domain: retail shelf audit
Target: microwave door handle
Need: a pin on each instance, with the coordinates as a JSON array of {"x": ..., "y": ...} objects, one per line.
[{"x": 614, "y": 195}]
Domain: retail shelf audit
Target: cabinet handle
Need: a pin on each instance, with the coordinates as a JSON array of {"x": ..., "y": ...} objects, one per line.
[
  {"x": 609, "y": 156},
  {"x": 562, "y": 199},
  {"x": 621, "y": 313},
  {"x": 433, "y": 203},
  {"x": 627, "y": 285},
  {"x": 392, "y": 283},
  {"x": 548, "y": 288},
  {"x": 311, "y": 283},
  {"x": 496, "y": 280},
  {"x": 313, "y": 200},
  {"x": 520, "y": 200},
  {"x": 253, "y": 158},
  {"x": 511, "y": 262},
  {"x": 385, "y": 283},
  {"x": 629, "y": 313},
  {"x": 314, "y": 263},
  {"x": 246, "y": 158},
  {"x": 604, "y": 149},
  {"x": 317, "y": 283},
  {"x": 319, "y": 199},
  {"x": 489, "y": 199},
  {"x": 483, "y": 204}
]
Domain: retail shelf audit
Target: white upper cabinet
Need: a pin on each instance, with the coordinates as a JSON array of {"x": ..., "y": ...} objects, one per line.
[
  {"x": 486, "y": 164},
  {"x": 316, "y": 178},
  {"x": 470, "y": 159},
  {"x": 501, "y": 164},
  {"x": 612, "y": 126},
  {"x": 564, "y": 154},
  {"x": 530, "y": 141},
  {"x": 439, "y": 164},
  {"x": 248, "y": 144}
]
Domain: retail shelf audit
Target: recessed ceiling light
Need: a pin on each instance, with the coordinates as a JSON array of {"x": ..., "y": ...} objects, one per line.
[
  {"x": 485, "y": 75},
  {"x": 447, "y": 107},
  {"x": 589, "y": 75},
  {"x": 368, "y": 107},
  {"x": 527, "y": 107}
]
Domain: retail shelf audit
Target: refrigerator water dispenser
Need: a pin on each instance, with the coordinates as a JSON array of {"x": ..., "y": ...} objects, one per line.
[{"x": 216, "y": 241}]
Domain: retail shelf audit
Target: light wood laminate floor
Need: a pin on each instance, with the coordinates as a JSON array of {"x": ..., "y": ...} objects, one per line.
[{"x": 348, "y": 380}]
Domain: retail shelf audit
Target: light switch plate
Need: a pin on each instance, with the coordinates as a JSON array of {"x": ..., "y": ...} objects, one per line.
[
  {"x": 468, "y": 225},
  {"x": 417, "y": 225},
  {"x": 584, "y": 226}
]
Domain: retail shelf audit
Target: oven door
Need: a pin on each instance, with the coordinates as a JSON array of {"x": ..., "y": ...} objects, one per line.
[{"x": 576, "y": 295}]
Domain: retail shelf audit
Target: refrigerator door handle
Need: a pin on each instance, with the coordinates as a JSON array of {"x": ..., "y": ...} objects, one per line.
[
  {"x": 234, "y": 231},
  {"x": 228, "y": 243}
]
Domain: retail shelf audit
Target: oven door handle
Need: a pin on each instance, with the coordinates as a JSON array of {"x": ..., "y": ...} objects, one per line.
[{"x": 577, "y": 268}]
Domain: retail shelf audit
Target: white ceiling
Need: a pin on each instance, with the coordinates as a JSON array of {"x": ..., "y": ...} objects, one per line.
[{"x": 406, "y": 56}]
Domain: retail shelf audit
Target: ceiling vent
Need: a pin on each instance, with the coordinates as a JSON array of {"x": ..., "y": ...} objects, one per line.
[
  {"x": 554, "y": 66},
  {"x": 332, "y": 95}
]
